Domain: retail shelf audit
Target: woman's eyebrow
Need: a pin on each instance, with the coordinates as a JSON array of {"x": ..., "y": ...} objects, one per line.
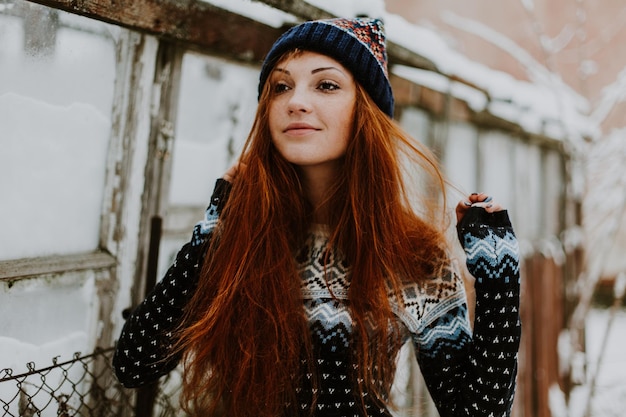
[
  {"x": 314, "y": 71},
  {"x": 325, "y": 69},
  {"x": 284, "y": 71}
]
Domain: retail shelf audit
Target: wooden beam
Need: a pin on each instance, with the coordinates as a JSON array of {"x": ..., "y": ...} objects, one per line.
[
  {"x": 399, "y": 55},
  {"x": 22, "y": 268},
  {"x": 199, "y": 24},
  {"x": 298, "y": 8}
]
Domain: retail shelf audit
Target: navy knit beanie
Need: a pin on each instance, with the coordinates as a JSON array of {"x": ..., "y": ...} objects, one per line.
[{"x": 358, "y": 44}]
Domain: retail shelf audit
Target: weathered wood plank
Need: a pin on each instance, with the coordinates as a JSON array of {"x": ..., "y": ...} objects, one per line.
[
  {"x": 207, "y": 27},
  {"x": 402, "y": 56},
  {"x": 199, "y": 24},
  {"x": 21, "y": 268},
  {"x": 298, "y": 8}
]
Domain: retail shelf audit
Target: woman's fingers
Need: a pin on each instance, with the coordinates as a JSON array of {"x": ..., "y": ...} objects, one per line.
[{"x": 477, "y": 200}]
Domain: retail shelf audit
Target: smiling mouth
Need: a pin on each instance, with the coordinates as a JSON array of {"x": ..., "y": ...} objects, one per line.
[{"x": 300, "y": 130}]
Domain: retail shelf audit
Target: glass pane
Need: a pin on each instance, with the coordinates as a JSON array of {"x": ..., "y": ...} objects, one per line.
[
  {"x": 56, "y": 83},
  {"x": 217, "y": 103},
  {"x": 496, "y": 158},
  {"x": 33, "y": 330},
  {"x": 460, "y": 159},
  {"x": 529, "y": 183},
  {"x": 554, "y": 192},
  {"x": 416, "y": 123}
]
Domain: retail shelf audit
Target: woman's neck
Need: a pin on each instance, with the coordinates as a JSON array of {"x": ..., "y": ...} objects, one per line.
[
  {"x": 317, "y": 182},
  {"x": 321, "y": 210}
]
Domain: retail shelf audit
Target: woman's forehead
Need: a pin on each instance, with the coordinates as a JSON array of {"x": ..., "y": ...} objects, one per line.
[{"x": 307, "y": 60}]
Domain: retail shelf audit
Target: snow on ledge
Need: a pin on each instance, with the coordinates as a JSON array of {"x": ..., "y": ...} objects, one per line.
[{"x": 475, "y": 99}]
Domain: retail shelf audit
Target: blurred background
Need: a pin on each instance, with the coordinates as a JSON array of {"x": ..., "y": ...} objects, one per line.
[{"x": 116, "y": 118}]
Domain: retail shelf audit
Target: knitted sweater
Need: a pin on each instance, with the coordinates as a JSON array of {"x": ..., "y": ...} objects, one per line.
[{"x": 468, "y": 373}]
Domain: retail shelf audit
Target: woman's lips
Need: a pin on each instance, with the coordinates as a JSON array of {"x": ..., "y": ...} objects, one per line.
[{"x": 299, "y": 129}]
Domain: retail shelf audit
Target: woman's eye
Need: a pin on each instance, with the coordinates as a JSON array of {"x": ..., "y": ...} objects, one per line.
[
  {"x": 280, "y": 87},
  {"x": 328, "y": 86}
]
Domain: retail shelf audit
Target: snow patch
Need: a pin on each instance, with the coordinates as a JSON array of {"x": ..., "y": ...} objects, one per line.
[{"x": 52, "y": 198}]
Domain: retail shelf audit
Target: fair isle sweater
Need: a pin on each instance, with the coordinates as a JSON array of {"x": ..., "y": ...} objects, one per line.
[{"x": 468, "y": 372}]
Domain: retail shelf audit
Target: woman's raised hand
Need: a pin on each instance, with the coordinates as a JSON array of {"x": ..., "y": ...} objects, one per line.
[{"x": 477, "y": 200}]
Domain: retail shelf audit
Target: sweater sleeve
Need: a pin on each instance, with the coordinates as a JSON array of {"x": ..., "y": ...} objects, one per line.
[
  {"x": 143, "y": 351},
  {"x": 472, "y": 373}
]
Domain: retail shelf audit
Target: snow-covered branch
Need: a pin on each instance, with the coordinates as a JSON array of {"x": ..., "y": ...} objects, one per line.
[{"x": 612, "y": 95}]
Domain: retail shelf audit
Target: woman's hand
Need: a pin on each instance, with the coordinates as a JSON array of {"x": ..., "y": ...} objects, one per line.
[{"x": 477, "y": 200}]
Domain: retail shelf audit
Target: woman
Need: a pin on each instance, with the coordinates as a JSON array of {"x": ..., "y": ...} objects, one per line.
[{"x": 312, "y": 269}]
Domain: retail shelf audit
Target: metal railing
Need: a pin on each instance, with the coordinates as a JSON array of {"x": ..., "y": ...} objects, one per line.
[{"x": 82, "y": 386}]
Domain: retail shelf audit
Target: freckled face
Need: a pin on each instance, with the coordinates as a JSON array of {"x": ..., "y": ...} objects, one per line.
[{"x": 311, "y": 110}]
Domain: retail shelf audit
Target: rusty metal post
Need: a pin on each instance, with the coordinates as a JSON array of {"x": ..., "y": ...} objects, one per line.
[{"x": 146, "y": 395}]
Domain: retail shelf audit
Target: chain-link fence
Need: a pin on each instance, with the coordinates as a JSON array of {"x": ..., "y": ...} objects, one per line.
[{"x": 83, "y": 386}]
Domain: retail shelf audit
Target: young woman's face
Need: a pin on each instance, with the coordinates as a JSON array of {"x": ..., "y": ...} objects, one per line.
[{"x": 311, "y": 109}]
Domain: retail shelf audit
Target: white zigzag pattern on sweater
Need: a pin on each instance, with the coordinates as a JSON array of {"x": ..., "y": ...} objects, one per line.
[
  {"x": 328, "y": 314},
  {"x": 491, "y": 249},
  {"x": 435, "y": 337}
]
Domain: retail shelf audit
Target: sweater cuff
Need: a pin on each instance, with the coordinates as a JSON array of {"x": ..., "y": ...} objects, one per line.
[{"x": 479, "y": 221}]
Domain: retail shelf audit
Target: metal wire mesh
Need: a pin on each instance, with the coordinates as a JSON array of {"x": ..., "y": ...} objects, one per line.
[{"x": 82, "y": 386}]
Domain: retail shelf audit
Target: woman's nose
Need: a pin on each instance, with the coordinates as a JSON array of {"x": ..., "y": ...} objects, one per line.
[{"x": 299, "y": 101}]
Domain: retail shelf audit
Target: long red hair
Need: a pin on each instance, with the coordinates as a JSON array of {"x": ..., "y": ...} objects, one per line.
[{"x": 245, "y": 332}]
